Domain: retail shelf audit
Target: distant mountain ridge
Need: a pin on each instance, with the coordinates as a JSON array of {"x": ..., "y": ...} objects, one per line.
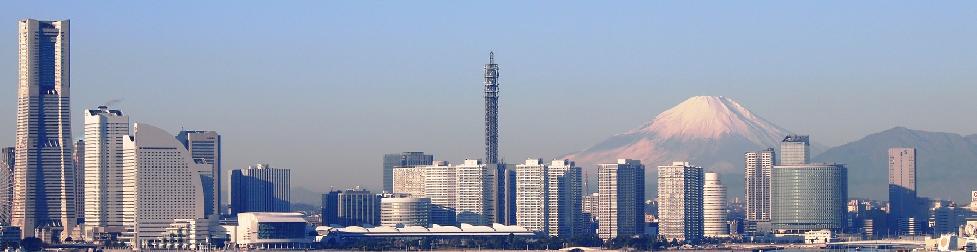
[{"x": 946, "y": 163}]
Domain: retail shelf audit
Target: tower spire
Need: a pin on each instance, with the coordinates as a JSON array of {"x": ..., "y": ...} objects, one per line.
[{"x": 491, "y": 110}]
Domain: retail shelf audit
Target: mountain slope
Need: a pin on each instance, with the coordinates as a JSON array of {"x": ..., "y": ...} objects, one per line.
[
  {"x": 946, "y": 163},
  {"x": 710, "y": 131}
]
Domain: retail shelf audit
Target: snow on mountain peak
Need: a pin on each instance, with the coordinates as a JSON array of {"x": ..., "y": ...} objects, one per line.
[{"x": 712, "y": 117}]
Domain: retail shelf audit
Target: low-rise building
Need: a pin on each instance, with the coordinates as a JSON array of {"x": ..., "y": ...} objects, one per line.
[{"x": 263, "y": 230}]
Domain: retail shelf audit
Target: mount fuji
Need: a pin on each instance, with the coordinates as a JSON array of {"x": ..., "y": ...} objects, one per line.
[{"x": 709, "y": 131}]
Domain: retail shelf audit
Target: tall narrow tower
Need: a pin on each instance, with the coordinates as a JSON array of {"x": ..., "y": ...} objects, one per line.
[{"x": 492, "y": 110}]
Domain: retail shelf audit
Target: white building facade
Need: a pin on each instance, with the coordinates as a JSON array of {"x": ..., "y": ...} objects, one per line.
[
  {"x": 714, "y": 206},
  {"x": 441, "y": 186},
  {"x": 680, "y": 202},
  {"x": 409, "y": 180},
  {"x": 105, "y": 130},
  {"x": 621, "y": 197},
  {"x": 759, "y": 167},
  {"x": 532, "y": 210},
  {"x": 405, "y": 211},
  {"x": 476, "y": 192},
  {"x": 564, "y": 199}
]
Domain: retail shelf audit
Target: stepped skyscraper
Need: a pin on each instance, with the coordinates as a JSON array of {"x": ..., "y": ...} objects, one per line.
[
  {"x": 44, "y": 190},
  {"x": 492, "y": 111}
]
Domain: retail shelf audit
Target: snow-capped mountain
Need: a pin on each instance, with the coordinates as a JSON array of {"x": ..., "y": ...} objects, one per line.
[{"x": 709, "y": 131}]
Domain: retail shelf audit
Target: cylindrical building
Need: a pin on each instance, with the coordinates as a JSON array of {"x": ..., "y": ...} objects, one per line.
[
  {"x": 405, "y": 212},
  {"x": 807, "y": 197},
  {"x": 714, "y": 206}
]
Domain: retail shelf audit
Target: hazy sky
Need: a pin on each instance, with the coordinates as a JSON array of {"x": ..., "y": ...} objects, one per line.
[{"x": 325, "y": 88}]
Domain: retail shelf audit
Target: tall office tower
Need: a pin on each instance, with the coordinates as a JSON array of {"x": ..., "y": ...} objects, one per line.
[
  {"x": 505, "y": 210},
  {"x": 680, "y": 187},
  {"x": 351, "y": 207},
  {"x": 902, "y": 188},
  {"x": 44, "y": 189},
  {"x": 564, "y": 199},
  {"x": 492, "y": 110},
  {"x": 105, "y": 131},
  {"x": 795, "y": 149},
  {"x": 6, "y": 184},
  {"x": 409, "y": 181},
  {"x": 531, "y": 195},
  {"x": 399, "y": 211},
  {"x": 402, "y": 160},
  {"x": 440, "y": 184},
  {"x": 806, "y": 197},
  {"x": 759, "y": 166},
  {"x": 714, "y": 207},
  {"x": 621, "y": 197},
  {"x": 206, "y": 146},
  {"x": 261, "y": 188},
  {"x": 162, "y": 191},
  {"x": 78, "y": 161},
  {"x": 476, "y": 192}
]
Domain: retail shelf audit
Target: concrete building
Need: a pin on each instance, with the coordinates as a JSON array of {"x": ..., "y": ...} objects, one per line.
[
  {"x": 621, "y": 197},
  {"x": 405, "y": 211},
  {"x": 440, "y": 185},
  {"x": 680, "y": 210},
  {"x": 351, "y": 207},
  {"x": 759, "y": 167},
  {"x": 44, "y": 189},
  {"x": 809, "y": 197},
  {"x": 532, "y": 210},
  {"x": 260, "y": 188},
  {"x": 163, "y": 194},
  {"x": 402, "y": 160},
  {"x": 714, "y": 206},
  {"x": 78, "y": 161},
  {"x": 795, "y": 149},
  {"x": 477, "y": 192},
  {"x": 409, "y": 180},
  {"x": 271, "y": 231},
  {"x": 902, "y": 190},
  {"x": 6, "y": 184},
  {"x": 105, "y": 131},
  {"x": 206, "y": 146},
  {"x": 564, "y": 199}
]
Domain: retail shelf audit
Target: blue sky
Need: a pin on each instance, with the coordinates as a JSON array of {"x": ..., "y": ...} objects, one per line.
[{"x": 326, "y": 88}]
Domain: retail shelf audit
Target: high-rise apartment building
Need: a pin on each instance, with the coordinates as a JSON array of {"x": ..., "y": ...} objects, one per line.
[
  {"x": 621, "y": 197},
  {"x": 476, "y": 192},
  {"x": 6, "y": 183},
  {"x": 351, "y": 207},
  {"x": 564, "y": 199},
  {"x": 261, "y": 188},
  {"x": 808, "y": 197},
  {"x": 714, "y": 206},
  {"x": 163, "y": 192},
  {"x": 105, "y": 131},
  {"x": 441, "y": 186},
  {"x": 759, "y": 167},
  {"x": 532, "y": 208},
  {"x": 402, "y": 160},
  {"x": 206, "y": 146},
  {"x": 680, "y": 212},
  {"x": 44, "y": 189},
  {"x": 795, "y": 149},
  {"x": 902, "y": 189},
  {"x": 409, "y": 180}
]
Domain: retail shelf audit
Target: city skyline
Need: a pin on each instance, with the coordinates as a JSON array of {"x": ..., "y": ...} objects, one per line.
[{"x": 460, "y": 86}]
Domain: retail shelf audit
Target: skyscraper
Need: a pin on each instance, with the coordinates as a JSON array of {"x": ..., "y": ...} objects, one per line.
[
  {"x": 260, "y": 188},
  {"x": 492, "y": 110},
  {"x": 621, "y": 197},
  {"x": 206, "y": 146},
  {"x": 105, "y": 131},
  {"x": 795, "y": 149},
  {"x": 714, "y": 206},
  {"x": 78, "y": 161},
  {"x": 476, "y": 193},
  {"x": 162, "y": 191},
  {"x": 352, "y": 207},
  {"x": 440, "y": 184},
  {"x": 409, "y": 181},
  {"x": 532, "y": 210},
  {"x": 902, "y": 188},
  {"x": 402, "y": 160},
  {"x": 564, "y": 199},
  {"x": 808, "y": 197},
  {"x": 44, "y": 190},
  {"x": 680, "y": 187},
  {"x": 759, "y": 167},
  {"x": 6, "y": 183}
]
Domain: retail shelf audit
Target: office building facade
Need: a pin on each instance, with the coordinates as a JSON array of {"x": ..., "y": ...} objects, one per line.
[
  {"x": 621, "y": 197},
  {"x": 795, "y": 149},
  {"x": 6, "y": 184},
  {"x": 405, "y": 211},
  {"x": 105, "y": 131},
  {"x": 402, "y": 160},
  {"x": 714, "y": 206},
  {"x": 902, "y": 190},
  {"x": 44, "y": 189},
  {"x": 807, "y": 197},
  {"x": 206, "y": 146},
  {"x": 260, "y": 188},
  {"x": 351, "y": 207},
  {"x": 409, "y": 180},
  {"x": 680, "y": 210}
]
